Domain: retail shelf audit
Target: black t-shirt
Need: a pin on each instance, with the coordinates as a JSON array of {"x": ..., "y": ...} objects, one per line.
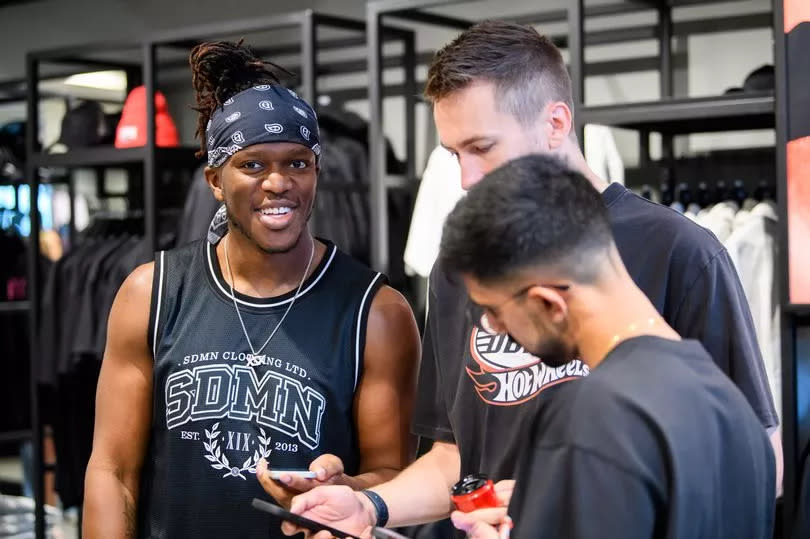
[
  {"x": 478, "y": 389},
  {"x": 691, "y": 280},
  {"x": 656, "y": 442}
]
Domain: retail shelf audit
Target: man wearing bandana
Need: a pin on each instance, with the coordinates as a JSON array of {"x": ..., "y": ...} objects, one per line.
[{"x": 260, "y": 348}]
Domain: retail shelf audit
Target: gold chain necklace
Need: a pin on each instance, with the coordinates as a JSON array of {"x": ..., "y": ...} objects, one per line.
[{"x": 633, "y": 327}]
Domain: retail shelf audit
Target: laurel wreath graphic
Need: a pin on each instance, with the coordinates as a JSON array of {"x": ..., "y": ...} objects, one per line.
[{"x": 219, "y": 460}]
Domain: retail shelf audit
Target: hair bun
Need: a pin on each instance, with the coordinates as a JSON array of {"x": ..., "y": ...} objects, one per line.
[{"x": 220, "y": 70}]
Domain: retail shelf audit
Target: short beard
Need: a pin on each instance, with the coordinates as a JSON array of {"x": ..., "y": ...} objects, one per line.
[
  {"x": 554, "y": 351},
  {"x": 554, "y": 354}
]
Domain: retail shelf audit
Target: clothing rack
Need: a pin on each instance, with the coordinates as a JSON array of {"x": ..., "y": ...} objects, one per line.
[
  {"x": 10, "y": 94},
  {"x": 98, "y": 159},
  {"x": 669, "y": 116},
  {"x": 151, "y": 160}
]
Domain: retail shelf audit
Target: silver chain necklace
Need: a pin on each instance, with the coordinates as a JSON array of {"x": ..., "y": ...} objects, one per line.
[{"x": 257, "y": 359}]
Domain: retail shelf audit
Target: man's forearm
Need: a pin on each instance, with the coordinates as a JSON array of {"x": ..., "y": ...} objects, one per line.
[
  {"x": 421, "y": 493},
  {"x": 109, "y": 506}
]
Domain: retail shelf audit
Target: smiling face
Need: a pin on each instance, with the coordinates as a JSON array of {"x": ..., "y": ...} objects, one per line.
[{"x": 269, "y": 191}]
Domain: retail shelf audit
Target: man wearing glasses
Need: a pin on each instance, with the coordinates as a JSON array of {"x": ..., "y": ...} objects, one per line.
[{"x": 657, "y": 441}]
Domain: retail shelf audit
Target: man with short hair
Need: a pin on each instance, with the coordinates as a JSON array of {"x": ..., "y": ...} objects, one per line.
[
  {"x": 656, "y": 441},
  {"x": 500, "y": 91}
]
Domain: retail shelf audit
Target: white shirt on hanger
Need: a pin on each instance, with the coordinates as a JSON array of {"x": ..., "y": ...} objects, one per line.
[
  {"x": 740, "y": 219},
  {"x": 439, "y": 191},
  {"x": 61, "y": 210},
  {"x": 754, "y": 248},
  {"x": 720, "y": 219},
  {"x": 602, "y": 154}
]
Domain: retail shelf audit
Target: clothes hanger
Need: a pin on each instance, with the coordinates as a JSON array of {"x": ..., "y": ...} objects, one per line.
[
  {"x": 721, "y": 192},
  {"x": 667, "y": 198},
  {"x": 684, "y": 194},
  {"x": 705, "y": 196},
  {"x": 738, "y": 192},
  {"x": 764, "y": 191}
]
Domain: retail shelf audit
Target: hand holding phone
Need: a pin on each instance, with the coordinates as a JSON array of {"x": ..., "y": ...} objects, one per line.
[
  {"x": 298, "y": 520},
  {"x": 283, "y": 484},
  {"x": 303, "y": 474}
]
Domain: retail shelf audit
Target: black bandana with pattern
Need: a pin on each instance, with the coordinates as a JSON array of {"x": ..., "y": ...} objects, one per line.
[{"x": 263, "y": 113}]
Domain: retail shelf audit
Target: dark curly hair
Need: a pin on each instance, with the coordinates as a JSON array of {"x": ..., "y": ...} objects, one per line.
[{"x": 222, "y": 69}]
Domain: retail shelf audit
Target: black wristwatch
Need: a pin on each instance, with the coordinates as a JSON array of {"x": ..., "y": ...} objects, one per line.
[{"x": 379, "y": 506}]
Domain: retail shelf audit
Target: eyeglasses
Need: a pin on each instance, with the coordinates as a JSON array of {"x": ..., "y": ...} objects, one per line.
[{"x": 491, "y": 314}]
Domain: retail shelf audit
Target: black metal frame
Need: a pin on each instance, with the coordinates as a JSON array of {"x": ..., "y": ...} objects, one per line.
[
  {"x": 32, "y": 117},
  {"x": 14, "y": 306},
  {"x": 153, "y": 158},
  {"x": 10, "y": 93},
  {"x": 789, "y": 423},
  {"x": 92, "y": 158},
  {"x": 691, "y": 115}
]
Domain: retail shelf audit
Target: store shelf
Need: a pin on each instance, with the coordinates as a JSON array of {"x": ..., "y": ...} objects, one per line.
[
  {"x": 13, "y": 306},
  {"x": 15, "y": 436},
  {"x": 696, "y": 115},
  {"x": 798, "y": 309},
  {"x": 400, "y": 181},
  {"x": 110, "y": 156}
]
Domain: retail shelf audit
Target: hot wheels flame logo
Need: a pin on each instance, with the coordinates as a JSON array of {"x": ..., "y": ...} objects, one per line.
[{"x": 505, "y": 374}]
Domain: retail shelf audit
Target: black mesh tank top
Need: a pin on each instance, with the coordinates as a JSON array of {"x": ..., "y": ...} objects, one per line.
[{"x": 217, "y": 410}]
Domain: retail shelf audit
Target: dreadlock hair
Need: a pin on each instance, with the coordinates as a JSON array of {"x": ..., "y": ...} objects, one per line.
[{"x": 222, "y": 69}]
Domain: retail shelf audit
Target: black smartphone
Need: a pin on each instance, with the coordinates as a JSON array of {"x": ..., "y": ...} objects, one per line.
[{"x": 310, "y": 525}]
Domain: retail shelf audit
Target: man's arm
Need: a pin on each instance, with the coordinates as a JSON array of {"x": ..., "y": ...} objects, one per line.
[
  {"x": 384, "y": 398},
  {"x": 123, "y": 414},
  {"x": 382, "y": 405},
  {"x": 421, "y": 493}
]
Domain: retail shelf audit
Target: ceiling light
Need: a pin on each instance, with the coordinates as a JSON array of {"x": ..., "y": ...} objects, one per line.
[{"x": 101, "y": 80}]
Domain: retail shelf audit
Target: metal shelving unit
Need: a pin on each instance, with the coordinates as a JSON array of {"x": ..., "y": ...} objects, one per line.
[
  {"x": 682, "y": 116},
  {"x": 108, "y": 156},
  {"x": 14, "y": 306},
  {"x": 13, "y": 311},
  {"x": 15, "y": 436},
  {"x": 797, "y": 309}
]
